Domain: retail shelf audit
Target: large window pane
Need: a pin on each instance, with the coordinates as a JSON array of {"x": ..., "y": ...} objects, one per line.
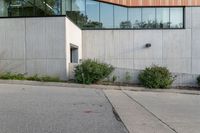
[
  {"x": 78, "y": 5},
  {"x": 15, "y": 8},
  {"x": 106, "y": 15},
  {"x": 77, "y": 12},
  {"x": 176, "y": 17},
  {"x": 121, "y": 17},
  {"x": 3, "y": 8},
  {"x": 53, "y": 7},
  {"x": 135, "y": 17},
  {"x": 40, "y": 8},
  {"x": 162, "y": 18},
  {"x": 68, "y": 5},
  {"x": 92, "y": 12},
  {"x": 28, "y": 8},
  {"x": 148, "y": 18}
]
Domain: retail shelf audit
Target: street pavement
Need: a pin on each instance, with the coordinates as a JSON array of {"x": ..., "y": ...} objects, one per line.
[
  {"x": 50, "y": 109},
  {"x": 157, "y": 112}
]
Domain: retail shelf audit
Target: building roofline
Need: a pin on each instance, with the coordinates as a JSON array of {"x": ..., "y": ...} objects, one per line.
[{"x": 147, "y": 3}]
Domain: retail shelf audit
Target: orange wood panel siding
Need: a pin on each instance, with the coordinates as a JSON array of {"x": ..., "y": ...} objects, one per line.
[{"x": 154, "y": 2}]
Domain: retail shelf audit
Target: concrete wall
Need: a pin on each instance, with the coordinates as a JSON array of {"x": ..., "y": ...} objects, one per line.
[
  {"x": 33, "y": 46},
  {"x": 125, "y": 49},
  {"x": 73, "y": 38}
]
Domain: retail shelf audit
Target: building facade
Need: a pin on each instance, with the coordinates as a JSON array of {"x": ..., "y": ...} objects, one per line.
[{"x": 47, "y": 37}]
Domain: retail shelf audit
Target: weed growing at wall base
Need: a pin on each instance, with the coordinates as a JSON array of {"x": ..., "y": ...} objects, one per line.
[{"x": 16, "y": 76}]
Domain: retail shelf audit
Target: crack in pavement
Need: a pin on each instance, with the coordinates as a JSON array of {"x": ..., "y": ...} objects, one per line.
[{"x": 116, "y": 115}]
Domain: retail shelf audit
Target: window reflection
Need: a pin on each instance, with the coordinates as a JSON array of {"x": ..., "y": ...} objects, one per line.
[
  {"x": 106, "y": 15},
  {"x": 120, "y": 17},
  {"x": 148, "y": 18},
  {"x": 176, "y": 18},
  {"x": 76, "y": 12},
  {"x": 92, "y": 12},
  {"x": 162, "y": 18},
  {"x": 135, "y": 17},
  {"x": 3, "y": 8},
  {"x": 94, "y": 15},
  {"x": 10, "y": 8},
  {"x": 78, "y": 5}
]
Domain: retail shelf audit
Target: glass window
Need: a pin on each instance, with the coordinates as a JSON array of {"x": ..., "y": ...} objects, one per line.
[
  {"x": 121, "y": 17},
  {"x": 148, "y": 17},
  {"x": 67, "y": 6},
  {"x": 106, "y": 15},
  {"x": 162, "y": 18},
  {"x": 92, "y": 12},
  {"x": 53, "y": 7},
  {"x": 176, "y": 17},
  {"x": 77, "y": 12},
  {"x": 78, "y": 5},
  {"x": 3, "y": 8},
  {"x": 135, "y": 17},
  {"x": 28, "y": 8}
]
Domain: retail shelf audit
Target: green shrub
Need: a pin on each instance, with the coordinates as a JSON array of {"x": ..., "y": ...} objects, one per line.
[
  {"x": 91, "y": 71},
  {"x": 198, "y": 80},
  {"x": 156, "y": 77}
]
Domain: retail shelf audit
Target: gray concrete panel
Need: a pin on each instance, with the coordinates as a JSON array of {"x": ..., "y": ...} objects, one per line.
[
  {"x": 176, "y": 44},
  {"x": 27, "y": 45},
  {"x": 55, "y": 37},
  {"x": 141, "y": 38},
  {"x": 56, "y": 68},
  {"x": 12, "y": 65},
  {"x": 36, "y": 66},
  {"x": 195, "y": 17},
  {"x": 12, "y": 36},
  {"x": 35, "y": 38},
  {"x": 188, "y": 17}
]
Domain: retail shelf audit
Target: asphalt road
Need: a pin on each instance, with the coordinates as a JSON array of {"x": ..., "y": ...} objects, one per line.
[{"x": 40, "y": 109}]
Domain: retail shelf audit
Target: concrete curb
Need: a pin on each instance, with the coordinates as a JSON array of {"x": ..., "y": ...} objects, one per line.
[{"x": 103, "y": 87}]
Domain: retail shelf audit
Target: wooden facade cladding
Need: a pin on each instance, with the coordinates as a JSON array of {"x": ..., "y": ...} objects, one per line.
[{"x": 132, "y": 3}]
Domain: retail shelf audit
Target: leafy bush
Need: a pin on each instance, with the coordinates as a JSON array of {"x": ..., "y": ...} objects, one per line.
[
  {"x": 156, "y": 77},
  {"x": 91, "y": 71},
  {"x": 198, "y": 80}
]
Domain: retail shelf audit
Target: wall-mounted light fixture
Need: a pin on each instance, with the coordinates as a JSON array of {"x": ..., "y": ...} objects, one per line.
[{"x": 148, "y": 45}]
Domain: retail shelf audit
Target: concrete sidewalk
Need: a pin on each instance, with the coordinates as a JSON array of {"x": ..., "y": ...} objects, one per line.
[{"x": 155, "y": 112}]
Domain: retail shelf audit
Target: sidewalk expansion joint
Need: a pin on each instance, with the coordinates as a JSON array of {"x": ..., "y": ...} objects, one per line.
[{"x": 116, "y": 115}]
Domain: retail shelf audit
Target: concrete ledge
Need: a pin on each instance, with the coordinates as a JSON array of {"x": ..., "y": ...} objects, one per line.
[{"x": 103, "y": 87}]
